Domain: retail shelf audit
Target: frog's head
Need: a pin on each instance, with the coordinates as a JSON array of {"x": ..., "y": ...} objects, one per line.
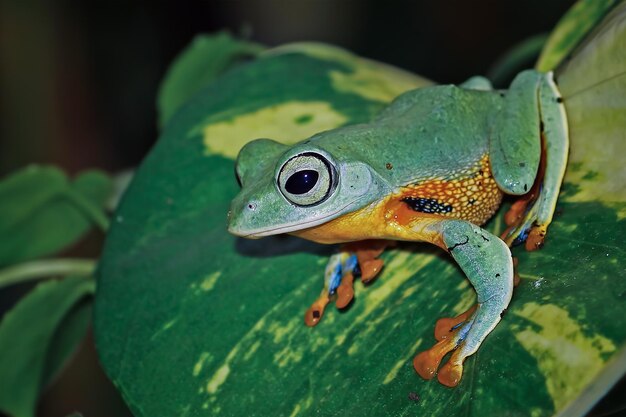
[{"x": 286, "y": 189}]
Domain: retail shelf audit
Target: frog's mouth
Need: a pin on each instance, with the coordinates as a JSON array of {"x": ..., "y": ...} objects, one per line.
[{"x": 288, "y": 228}]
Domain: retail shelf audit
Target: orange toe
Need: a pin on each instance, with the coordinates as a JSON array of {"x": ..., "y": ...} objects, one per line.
[
  {"x": 345, "y": 291},
  {"x": 450, "y": 374},
  {"x": 427, "y": 362},
  {"x": 314, "y": 314},
  {"x": 516, "y": 212},
  {"x": 369, "y": 269},
  {"x": 535, "y": 238},
  {"x": 445, "y": 326}
]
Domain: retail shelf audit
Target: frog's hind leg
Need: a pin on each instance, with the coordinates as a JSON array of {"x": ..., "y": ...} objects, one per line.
[
  {"x": 487, "y": 262},
  {"x": 529, "y": 218},
  {"x": 356, "y": 258}
]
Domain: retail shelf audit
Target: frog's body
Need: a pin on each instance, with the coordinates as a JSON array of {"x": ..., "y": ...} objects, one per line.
[{"x": 431, "y": 167}]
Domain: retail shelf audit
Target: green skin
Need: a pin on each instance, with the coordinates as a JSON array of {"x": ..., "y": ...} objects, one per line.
[{"x": 429, "y": 133}]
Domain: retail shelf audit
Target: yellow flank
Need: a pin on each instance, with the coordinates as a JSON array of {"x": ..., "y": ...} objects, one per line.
[{"x": 474, "y": 197}]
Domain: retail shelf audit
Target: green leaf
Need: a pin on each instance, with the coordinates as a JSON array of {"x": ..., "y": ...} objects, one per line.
[
  {"x": 42, "y": 212},
  {"x": 571, "y": 30},
  {"x": 201, "y": 62},
  {"x": 180, "y": 299},
  {"x": 33, "y": 346},
  {"x": 67, "y": 337}
]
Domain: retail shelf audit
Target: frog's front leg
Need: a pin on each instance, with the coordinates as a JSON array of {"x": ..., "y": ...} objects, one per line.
[
  {"x": 355, "y": 258},
  {"x": 487, "y": 262},
  {"x": 528, "y": 154}
]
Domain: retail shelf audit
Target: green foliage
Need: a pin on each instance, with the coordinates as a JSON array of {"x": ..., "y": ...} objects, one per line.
[
  {"x": 42, "y": 212},
  {"x": 36, "y": 338},
  {"x": 571, "y": 30},
  {"x": 181, "y": 300},
  {"x": 203, "y": 61}
]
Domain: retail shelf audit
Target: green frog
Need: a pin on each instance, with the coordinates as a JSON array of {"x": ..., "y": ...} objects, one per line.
[{"x": 432, "y": 167}]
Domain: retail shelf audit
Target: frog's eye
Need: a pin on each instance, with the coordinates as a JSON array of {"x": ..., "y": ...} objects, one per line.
[{"x": 306, "y": 179}]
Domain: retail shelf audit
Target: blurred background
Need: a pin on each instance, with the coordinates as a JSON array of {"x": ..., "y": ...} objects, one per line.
[{"x": 78, "y": 82}]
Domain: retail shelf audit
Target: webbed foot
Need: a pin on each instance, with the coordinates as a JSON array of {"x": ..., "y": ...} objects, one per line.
[
  {"x": 461, "y": 335},
  {"x": 357, "y": 258}
]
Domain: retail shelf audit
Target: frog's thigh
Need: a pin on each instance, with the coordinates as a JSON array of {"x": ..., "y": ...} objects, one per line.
[
  {"x": 556, "y": 137},
  {"x": 487, "y": 262},
  {"x": 515, "y": 142},
  {"x": 485, "y": 259}
]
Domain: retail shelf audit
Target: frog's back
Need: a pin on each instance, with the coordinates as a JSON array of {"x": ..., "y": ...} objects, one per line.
[
  {"x": 431, "y": 133},
  {"x": 431, "y": 147}
]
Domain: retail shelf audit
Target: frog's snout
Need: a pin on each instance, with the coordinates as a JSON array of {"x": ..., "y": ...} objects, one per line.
[{"x": 241, "y": 214}]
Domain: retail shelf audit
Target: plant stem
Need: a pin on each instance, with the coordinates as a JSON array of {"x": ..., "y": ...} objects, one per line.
[{"x": 45, "y": 268}]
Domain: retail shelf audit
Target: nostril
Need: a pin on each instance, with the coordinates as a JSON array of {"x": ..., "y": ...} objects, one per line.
[{"x": 252, "y": 206}]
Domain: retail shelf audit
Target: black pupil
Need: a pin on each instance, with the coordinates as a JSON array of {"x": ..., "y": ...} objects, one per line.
[{"x": 302, "y": 182}]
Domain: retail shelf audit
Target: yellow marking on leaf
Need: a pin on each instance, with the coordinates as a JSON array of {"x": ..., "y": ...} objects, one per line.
[
  {"x": 251, "y": 351},
  {"x": 209, "y": 282},
  {"x": 287, "y": 356},
  {"x": 567, "y": 357},
  {"x": 281, "y": 122},
  {"x": 304, "y": 404},
  {"x": 400, "y": 268},
  {"x": 370, "y": 82},
  {"x": 204, "y": 357},
  {"x": 366, "y": 78},
  {"x": 248, "y": 341},
  {"x": 280, "y": 331},
  {"x": 393, "y": 373},
  {"x": 218, "y": 379},
  {"x": 468, "y": 298},
  {"x": 168, "y": 325}
]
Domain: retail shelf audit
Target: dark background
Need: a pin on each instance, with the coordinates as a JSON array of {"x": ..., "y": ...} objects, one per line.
[{"x": 78, "y": 81}]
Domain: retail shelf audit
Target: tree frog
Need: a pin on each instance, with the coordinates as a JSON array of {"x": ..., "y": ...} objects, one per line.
[{"x": 432, "y": 166}]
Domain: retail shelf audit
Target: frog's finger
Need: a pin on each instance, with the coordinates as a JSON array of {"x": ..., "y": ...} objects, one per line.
[
  {"x": 314, "y": 314},
  {"x": 367, "y": 253},
  {"x": 487, "y": 262},
  {"x": 338, "y": 281},
  {"x": 515, "y": 145}
]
